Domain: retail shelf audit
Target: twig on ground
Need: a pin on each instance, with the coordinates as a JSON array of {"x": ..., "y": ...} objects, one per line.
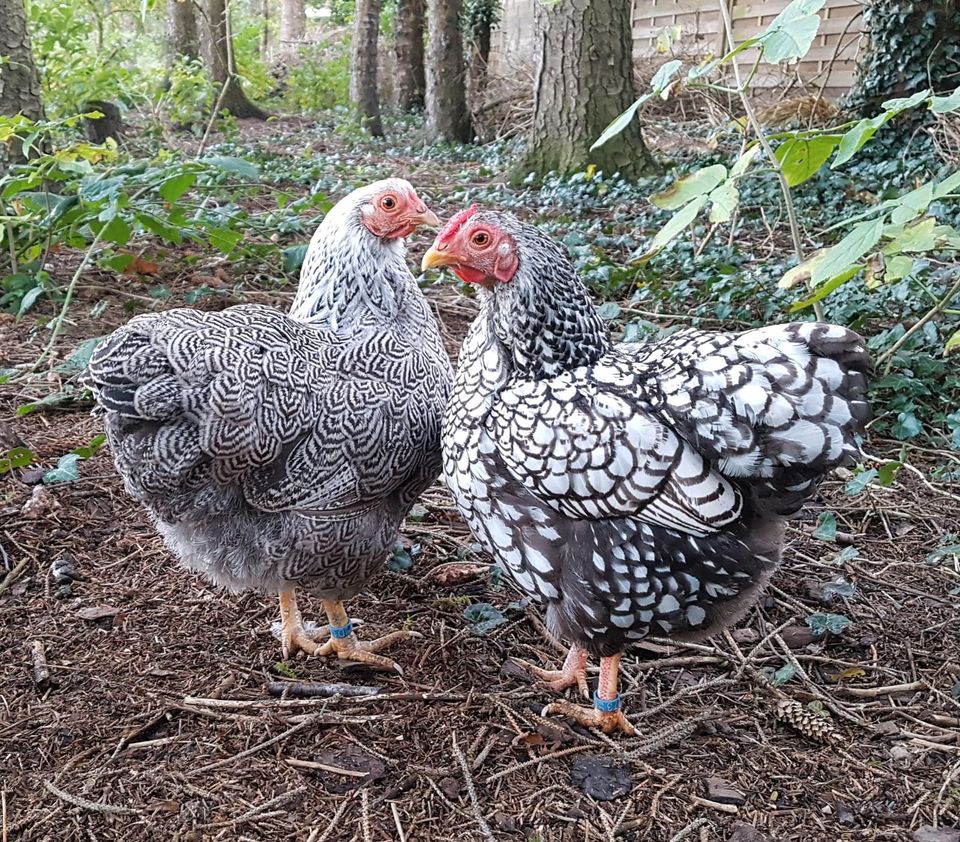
[
  {"x": 543, "y": 758},
  {"x": 41, "y": 672},
  {"x": 254, "y": 749},
  {"x": 261, "y": 810},
  {"x": 323, "y": 837},
  {"x": 471, "y": 788},
  {"x": 873, "y": 692},
  {"x": 11, "y": 577},
  {"x": 365, "y": 815},
  {"x": 313, "y": 690},
  {"x": 401, "y": 836},
  {"x": 696, "y": 824},
  {"x": 92, "y": 806},
  {"x": 732, "y": 809},
  {"x": 325, "y": 767}
]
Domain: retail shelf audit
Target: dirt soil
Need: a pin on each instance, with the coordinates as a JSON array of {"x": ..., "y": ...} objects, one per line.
[{"x": 155, "y": 721}]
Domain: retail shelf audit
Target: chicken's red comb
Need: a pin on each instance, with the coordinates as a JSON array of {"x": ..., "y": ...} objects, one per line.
[{"x": 456, "y": 223}]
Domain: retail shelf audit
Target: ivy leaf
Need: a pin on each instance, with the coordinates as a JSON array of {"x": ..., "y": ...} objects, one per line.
[
  {"x": 908, "y": 426},
  {"x": 675, "y": 225},
  {"x": 691, "y": 186},
  {"x": 838, "y": 589},
  {"x": 173, "y": 188},
  {"x": 826, "y": 527},
  {"x": 235, "y": 166},
  {"x": 784, "y": 674},
  {"x": 791, "y": 33},
  {"x": 400, "y": 560},
  {"x": 860, "y": 482},
  {"x": 823, "y": 622},
  {"x": 29, "y": 299},
  {"x": 80, "y": 358},
  {"x": 293, "y": 257},
  {"x": 850, "y": 249},
  {"x": 801, "y": 157},
  {"x": 483, "y": 617},
  {"x": 608, "y": 311},
  {"x": 66, "y": 470}
]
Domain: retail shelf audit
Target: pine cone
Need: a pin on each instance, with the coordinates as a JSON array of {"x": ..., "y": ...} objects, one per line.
[{"x": 819, "y": 728}]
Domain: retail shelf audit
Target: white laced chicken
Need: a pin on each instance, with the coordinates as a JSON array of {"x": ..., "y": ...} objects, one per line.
[{"x": 633, "y": 489}]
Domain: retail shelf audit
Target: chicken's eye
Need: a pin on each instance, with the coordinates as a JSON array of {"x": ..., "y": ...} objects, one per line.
[
  {"x": 388, "y": 203},
  {"x": 481, "y": 238}
]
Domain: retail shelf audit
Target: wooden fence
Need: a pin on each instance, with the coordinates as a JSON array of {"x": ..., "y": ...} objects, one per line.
[{"x": 692, "y": 28}]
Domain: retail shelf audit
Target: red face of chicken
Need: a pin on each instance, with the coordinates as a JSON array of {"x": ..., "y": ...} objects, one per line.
[
  {"x": 476, "y": 250},
  {"x": 396, "y": 213}
]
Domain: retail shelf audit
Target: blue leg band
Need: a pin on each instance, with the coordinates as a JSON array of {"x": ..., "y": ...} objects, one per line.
[
  {"x": 606, "y": 705},
  {"x": 341, "y": 632}
]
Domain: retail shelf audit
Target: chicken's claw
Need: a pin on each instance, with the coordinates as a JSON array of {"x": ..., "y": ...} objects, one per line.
[
  {"x": 606, "y": 721},
  {"x": 556, "y": 681}
]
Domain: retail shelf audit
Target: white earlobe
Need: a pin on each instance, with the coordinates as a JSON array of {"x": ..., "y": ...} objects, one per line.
[{"x": 366, "y": 210}]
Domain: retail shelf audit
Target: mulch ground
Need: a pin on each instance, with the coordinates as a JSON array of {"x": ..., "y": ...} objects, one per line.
[{"x": 155, "y": 721}]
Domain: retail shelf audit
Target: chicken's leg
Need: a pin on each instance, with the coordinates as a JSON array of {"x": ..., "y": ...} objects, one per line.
[
  {"x": 573, "y": 673},
  {"x": 293, "y": 635},
  {"x": 347, "y": 647},
  {"x": 605, "y": 713}
]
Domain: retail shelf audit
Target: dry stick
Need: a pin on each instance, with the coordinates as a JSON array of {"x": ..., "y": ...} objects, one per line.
[
  {"x": 873, "y": 692},
  {"x": 260, "y": 811},
  {"x": 333, "y": 823},
  {"x": 396, "y": 820},
  {"x": 41, "y": 672},
  {"x": 690, "y": 828},
  {"x": 11, "y": 577},
  {"x": 519, "y": 767},
  {"x": 84, "y": 804},
  {"x": 254, "y": 749},
  {"x": 313, "y": 690},
  {"x": 933, "y": 311},
  {"x": 324, "y": 767},
  {"x": 471, "y": 789},
  {"x": 3, "y": 810},
  {"x": 936, "y": 805},
  {"x": 767, "y": 149},
  {"x": 365, "y": 815}
]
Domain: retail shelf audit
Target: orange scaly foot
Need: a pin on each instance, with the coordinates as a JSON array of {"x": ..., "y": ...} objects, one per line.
[
  {"x": 605, "y": 713},
  {"x": 294, "y": 637},
  {"x": 345, "y": 645},
  {"x": 573, "y": 673}
]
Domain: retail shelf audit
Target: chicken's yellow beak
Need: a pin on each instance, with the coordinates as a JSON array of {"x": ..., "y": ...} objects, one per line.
[
  {"x": 436, "y": 259},
  {"x": 426, "y": 217}
]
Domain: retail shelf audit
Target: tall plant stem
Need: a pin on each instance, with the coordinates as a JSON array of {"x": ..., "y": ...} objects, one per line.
[{"x": 767, "y": 148}]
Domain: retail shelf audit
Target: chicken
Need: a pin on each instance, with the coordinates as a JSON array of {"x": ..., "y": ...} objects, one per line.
[
  {"x": 633, "y": 489},
  {"x": 281, "y": 451}
]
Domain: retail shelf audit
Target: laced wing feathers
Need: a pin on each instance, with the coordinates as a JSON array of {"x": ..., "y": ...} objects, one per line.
[
  {"x": 591, "y": 453},
  {"x": 779, "y": 406},
  {"x": 202, "y": 407}
]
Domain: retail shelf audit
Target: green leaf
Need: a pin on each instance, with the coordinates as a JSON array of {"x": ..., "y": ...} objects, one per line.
[
  {"x": 947, "y": 186},
  {"x": 888, "y": 472},
  {"x": 824, "y": 289},
  {"x": 854, "y": 139},
  {"x": 483, "y": 617},
  {"x": 689, "y": 187},
  {"x": 850, "y": 249},
  {"x": 742, "y": 163},
  {"x": 677, "y": 223},
  {"x": 898, "y": 267},
  {"x": 17, "y": 457},
  {"x": 898, "y": 104},
  {"x": 791, "y": 33},
  {"x": 173, "y": 188},
  {"x": 234, "y": 166},
  {"x": 80, "y": 358},
  {"x": 116, "y": 231},
  {"x": 418, "y": 514},
  {"x": 953, "y": 344},
  {"x": 784, "y": 674},
  {"x": 826, "y": 527},
  {"x": 664, "y": 74},
  {"x": 943, "y": 104},
  {"x": 29, "y": 299},
  {"x": 293, "y": 257},
  {"x": 97, "y": 189},
  {"x": 860, "y": 482},
  {"x": 724, "y": 201},
  {"x": 608, "y": 311},
  {"x": 223, "y": 239},
  {"x": 66, "y": 470},
  {"x": 400, "y": 560},
  {"x": 621, "y": 122},
  {"x": 801, "y": 157},
  {"x": 919, "y": 237},
  {"x": 912, "y": 204},
  {"x": 907, "y": 426},
  {"x": 117, "y": 262},
  {"x": 86, "y": 451},
  {"x": 822, "y": 622}
]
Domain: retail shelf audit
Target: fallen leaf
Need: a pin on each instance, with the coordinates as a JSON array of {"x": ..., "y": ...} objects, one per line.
[
  {"x": 600, "y": 777},
  {"x": 139, "y": 265},
  {"x": 850, "y": 672},
  {"x": 99, "y": 612},
  {"x": 456, "y": 573}
]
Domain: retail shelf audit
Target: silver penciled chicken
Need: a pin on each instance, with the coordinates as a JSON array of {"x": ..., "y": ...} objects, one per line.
[{"x": 277, "y": 451}]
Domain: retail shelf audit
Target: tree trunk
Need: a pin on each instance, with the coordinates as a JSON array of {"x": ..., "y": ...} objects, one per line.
[
  {"x": 19, "y": 81},
  {"x": 479, "y": 25},
  {"x": 410, "y": 82},
  {"x": 264, "y": 30},
  {"x": 584, "y": 80},
  {"x": 447, "y": 115},
  {"x": 220, "y": 62},
  {"x": 182, "y": 37},
  {"x": 911, "y": 46},
  {"x": 293, "y": 29},
  {"x": 363, "y": 65}
]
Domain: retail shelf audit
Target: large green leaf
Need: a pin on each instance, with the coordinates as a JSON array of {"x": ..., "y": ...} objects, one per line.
[
  {"x": 912, "y": 204},
  {"x": 724, "y": 199},
  {"x": 234, "y": 166},
  {"x": 849, "y": 250},
  {"x": 621, "y": 122},
  {"x": 854, "y": 139},
  {"x": 223, "y": 239},
  {"x": 944, "y": 104},
  {"x": 684, "y": 189},
  {"x": 916, "y": 238},
  {"x": 173, "y": 188},
  {"x": 801, "y": 157},
  {"x": 791, "y": 33},
  {"x": 680, "y": 220},
  {"x": 824, "y": 289}
]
